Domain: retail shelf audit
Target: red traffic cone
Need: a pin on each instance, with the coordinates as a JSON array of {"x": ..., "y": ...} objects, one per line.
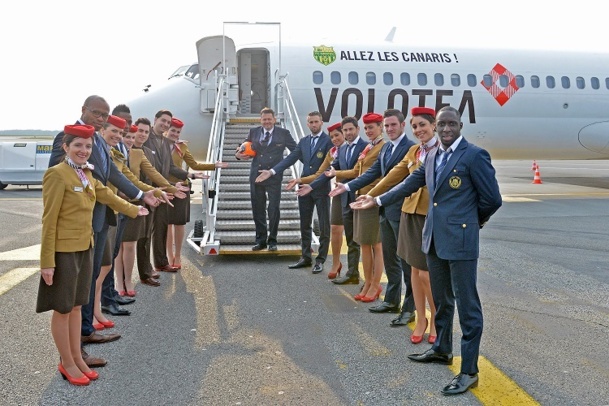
[
  {"x": 534, "y": 165},
  {"x": 537, "y": 177}
]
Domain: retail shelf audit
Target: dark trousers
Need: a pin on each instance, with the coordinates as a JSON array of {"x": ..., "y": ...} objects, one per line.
[
  {"x": 455, "y": 281},
  {"x": 142, "y": 252},
  {"x": 259, "y": 192},
  {"x": 306, "y": 206},
  {"x": 353, "y": 249},
  {"x": 159, "y": 236},
  {"x": 98, "y": 253},
  {"x": 395, "y": 267},
  {"x": 109, "y": 293}
]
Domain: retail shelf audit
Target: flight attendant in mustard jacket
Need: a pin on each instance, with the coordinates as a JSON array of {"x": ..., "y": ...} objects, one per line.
[{"x": 69, "y": 193}]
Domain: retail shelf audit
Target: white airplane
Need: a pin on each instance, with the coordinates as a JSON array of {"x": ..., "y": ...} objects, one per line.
[{"x": 517, "y": 104}]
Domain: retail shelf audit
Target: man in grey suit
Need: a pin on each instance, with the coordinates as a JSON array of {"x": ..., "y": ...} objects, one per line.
[
  {"x": 464, "y": 194},
  {"x": 269, "y": 142},
  {"x": 311, "y": 151}
]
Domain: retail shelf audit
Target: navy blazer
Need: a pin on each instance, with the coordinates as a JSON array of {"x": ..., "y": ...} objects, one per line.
[
  {"x": 379, "y": 169},
  {"x": 101, "y": 213},
  {"x": 340, "y": 163},
  {"x": 310, "y": 161},
  {"x": 270, "y": 155},
  {"x": 466, "y": 196}
]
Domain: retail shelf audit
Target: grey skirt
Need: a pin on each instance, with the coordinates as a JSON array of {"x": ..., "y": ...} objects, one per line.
[
  {"x": 71, "y": 283},
  {"x": 135, "y": 228},
  {"x": 336, "y": 216},
  {"x": 410, "y": 240},
  {"x": 366, "y": 226},
  {"x": 179, "y": 214}
]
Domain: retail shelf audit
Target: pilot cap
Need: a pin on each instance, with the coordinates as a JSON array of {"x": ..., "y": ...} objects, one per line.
[
  {"x": 133, "y": 129},
  {"x": 82, "y": 131},
  {"x": 333, "y": 127},
  {"x": 117, "y": 122},
  {"x": 177, "y": 123},
  {"x": 417, "y": 111},
  {"x": 372, "y": 118}
]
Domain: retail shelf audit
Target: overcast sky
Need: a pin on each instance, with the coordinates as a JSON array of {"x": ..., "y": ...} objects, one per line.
[{"x": 55, "y": 54}]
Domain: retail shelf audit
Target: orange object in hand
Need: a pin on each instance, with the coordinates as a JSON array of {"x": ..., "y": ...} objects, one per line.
[{"x": 246, "y": 149}]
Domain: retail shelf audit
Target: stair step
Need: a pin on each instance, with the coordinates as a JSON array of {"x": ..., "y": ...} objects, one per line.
[
  {"x": 287, "y": 214},
  {"x": 244, "y": 237},
  {"x": 236, "y": 225},
  {"x": 246, "y": 204}
]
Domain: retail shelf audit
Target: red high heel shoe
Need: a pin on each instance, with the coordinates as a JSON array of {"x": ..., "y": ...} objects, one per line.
[
  {"x": 333, "y": 275},
  {"x": 98, "y": 326},
  {"x": 82, "y": 381},
  {"x": 367, "y": 299},
  {"x": 122, "y": 292},
  {"x": 431, "y": 339},
  {"x": 131, "y": 293},
  {"x": 418, "y": 339},
  {"x": 93, "y": 375},
  {"x": 107, "y": 323}
]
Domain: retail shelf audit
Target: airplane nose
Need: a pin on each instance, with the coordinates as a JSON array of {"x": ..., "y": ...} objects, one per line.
[{"x": 595, "y": 137}]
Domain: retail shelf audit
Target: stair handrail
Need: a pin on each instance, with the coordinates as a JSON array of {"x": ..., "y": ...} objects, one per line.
[{"x": 289, "y": 116}]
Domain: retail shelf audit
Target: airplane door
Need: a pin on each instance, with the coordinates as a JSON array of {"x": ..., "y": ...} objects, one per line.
[
  {"x": 217, "y": 56},
  {"x": 254, "y": 84}
]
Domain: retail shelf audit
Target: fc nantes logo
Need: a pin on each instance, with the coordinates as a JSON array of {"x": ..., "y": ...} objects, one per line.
[{"x": 324, "y": 55}]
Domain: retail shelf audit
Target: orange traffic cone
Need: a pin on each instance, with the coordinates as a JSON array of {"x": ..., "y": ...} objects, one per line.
[
  {"x": 537, "y": 177},
  {"x": 534, "y": 165}
]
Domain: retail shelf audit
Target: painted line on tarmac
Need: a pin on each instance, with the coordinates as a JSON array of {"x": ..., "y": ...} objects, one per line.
[
  {"x": 31, "y": 253},
  {"x": 495, "y": 387},
  {"x": 14, "y": 277}
]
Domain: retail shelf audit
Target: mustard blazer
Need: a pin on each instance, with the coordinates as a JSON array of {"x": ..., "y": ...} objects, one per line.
[
  {"x": 418, "y": 202},
  {"x": 138, "y": 164},
  {"x": 119, "y": 160},
  {"x": 362, "y": 166},
  {"x": 186, "y": 157},
  {"x": 67, "y": 218}
]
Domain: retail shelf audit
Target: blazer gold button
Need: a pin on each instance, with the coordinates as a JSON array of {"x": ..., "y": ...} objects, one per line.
[
  {"x": 435, "y": 204},
  {"x": 464, "y": 226}
]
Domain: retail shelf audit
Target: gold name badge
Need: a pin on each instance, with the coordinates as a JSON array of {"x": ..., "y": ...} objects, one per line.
[
  {"x": 320, "y": 154},
  {"x": 455, "y": 182}
]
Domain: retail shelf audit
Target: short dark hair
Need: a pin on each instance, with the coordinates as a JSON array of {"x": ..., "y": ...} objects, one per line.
[
  {"x": 450, "y": 108},
  {"x": 315, "y": 113},
  {"x": 349, "y": 119},
  {"x": 121, "y": 108},
  {"x": 394, "y": 113},
  {"x": 163, "y": 112},
  {"x": 142, "y": 120}
]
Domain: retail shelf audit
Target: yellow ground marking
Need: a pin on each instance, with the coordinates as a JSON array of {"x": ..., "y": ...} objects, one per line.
[
  {"x": 14, "y": 277},
  {"x": 31, "y": 253},
  {"x": 494, "y": 387}
]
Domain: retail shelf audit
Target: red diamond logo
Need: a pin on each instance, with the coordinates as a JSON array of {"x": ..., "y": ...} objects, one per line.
[{"x": 501, "y": 95}]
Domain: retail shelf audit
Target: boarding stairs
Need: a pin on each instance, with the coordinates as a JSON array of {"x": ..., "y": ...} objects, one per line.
[{"x": 227, "y": 226}]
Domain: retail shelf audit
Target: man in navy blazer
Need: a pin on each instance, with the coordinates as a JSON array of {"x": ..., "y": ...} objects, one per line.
[
  {"x": 311, "y": 151},
  {"x": 269, "y": 142},
  {"x": 464, "y": 194},
  {"x": 395, "y": 267},
  {"x": 346, "y": 159}
]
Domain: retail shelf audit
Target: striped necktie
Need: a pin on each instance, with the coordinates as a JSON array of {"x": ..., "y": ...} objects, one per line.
[{"x": 440, "y": 167}]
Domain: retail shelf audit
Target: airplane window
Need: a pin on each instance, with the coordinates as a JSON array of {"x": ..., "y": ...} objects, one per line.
[
  {"x": 193, "y": 71},
  {"x": 370, "y": 78},
  {"x": 580, "y": 82},
  {"x": 504, "y": 81},
  {"x": 488, "y": 80},
  {"x": 595, "y": 83},
  {"x": 519, "y": 81},
  {"x": 353, "y": 78},
  {"x": 422, "y": 79},
  {"x": 335, "y": 77},
  {"x": 405, "y": 79},
  {"x": 607, "y": 83},
  {"x": 438, "y": 79},
  {"x": 455, "y": 79},
  {"x": 318, "y": 77},
  {"x": 388, "y": 78},
  {"x": 550, "y": 82},
  {"x": 535, "y": 83},
  {"x": 471, "y": 80},
  {"x": 566, "y": 82}
]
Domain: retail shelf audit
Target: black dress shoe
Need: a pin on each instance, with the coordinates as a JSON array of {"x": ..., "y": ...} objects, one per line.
[
  {"x": 385, "y": 308},
  {"x": 302, "y": 263},
  {"x": 318, "y": 268},
  {"x": 432, "y": 356},
  {"x": 121, "y": 300},
  {"x": 115, "y": 310},
  {"x": 403, "y": 319},
  {"x": 346, "y": 280},
  {"x": 258, "y": 247},
  {"x": 460, "y": 383},
  {"x": 150, "y": 282},
  {"x": 272, "y": 247}
]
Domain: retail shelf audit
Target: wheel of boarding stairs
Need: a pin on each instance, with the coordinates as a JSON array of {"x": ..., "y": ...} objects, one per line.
[{"x": 198, "y": 229}]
